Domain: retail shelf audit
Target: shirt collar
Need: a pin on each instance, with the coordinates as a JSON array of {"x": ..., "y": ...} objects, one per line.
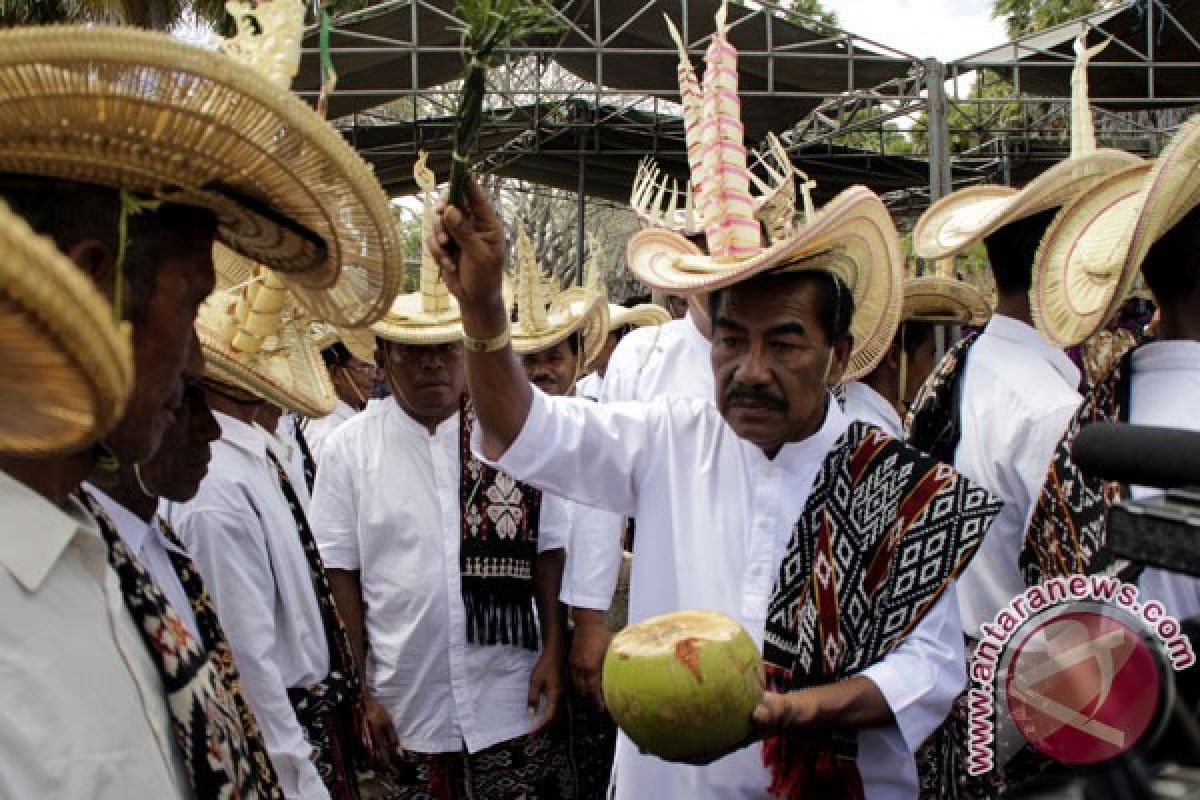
[
  {"x": 343, "y": 410},
  {"x": 275, "y": 443},
  {"x": 1175, "y": 355},
  {"x": 814, "y": 449},
  {"x": 410, "y": 425},
  {"x": 131, "y": 528},
  {"x": 35, "y": 532},
  {"x": 1026, "y": 336},
  {"x": 242, "y": 436},
  {"x": 878, "y": 404}
]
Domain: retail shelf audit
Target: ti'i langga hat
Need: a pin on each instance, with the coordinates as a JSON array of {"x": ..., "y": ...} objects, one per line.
[
  {"x": 943, "y": 298},
  {"x": 146, "y": 113},
  {"x": 962, "y": 218},
  {"x": 1091, "y": 255},
  {"x": 429, "y": 315},
  {"x": 638, "y": 316},
  {"x": 546, "y": 314},
  {"x": 256, "y": 339},
  {"x": 67, "y": 365},
  {"x": 359, "y": 341},
  {"x": 852, "y": 237}
]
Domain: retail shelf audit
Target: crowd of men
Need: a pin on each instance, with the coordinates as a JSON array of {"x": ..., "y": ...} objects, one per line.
[{"x": 274, "y": 528}]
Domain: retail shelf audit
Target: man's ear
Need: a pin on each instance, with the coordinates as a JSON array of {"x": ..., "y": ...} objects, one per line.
[
  {"x": 97, "y": 261},
  {"x": 839, "y": 359}
]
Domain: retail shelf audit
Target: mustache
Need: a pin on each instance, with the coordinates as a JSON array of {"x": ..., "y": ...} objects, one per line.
[{"x": 739, "y": 395}]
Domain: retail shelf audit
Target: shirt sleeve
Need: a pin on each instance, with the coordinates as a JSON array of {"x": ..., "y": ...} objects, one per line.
[
  {"x": 230, "y": 549},
  {"x": 593, "y": 559},
  {"x": 334, "y": 517},
  {"x": 1032, "y": 454},
  {"x": 591, "y": 453},
  {"x": 554, "y": 524},
  {"x": 923, "y": 675}
]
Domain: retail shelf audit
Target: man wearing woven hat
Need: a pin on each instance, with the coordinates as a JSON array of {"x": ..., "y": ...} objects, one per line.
[
  {"x": 136, "y": 119},
  {"x": 736, "y": 501},
  {"x": 447, "y": 573},
  {"x": 250, "y": 536},
  {"x": 882, "y": 396},
  {"x": 1146, "y": 219},
  {"x": 353, "y": 375}
]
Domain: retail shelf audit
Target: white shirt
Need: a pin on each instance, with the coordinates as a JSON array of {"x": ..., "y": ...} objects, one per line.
[
  {"x": 283, "y": 443},
  {"x": 714, "y": 519},
  {"x": 84, "y": 711},
  {"x": 590, "y": 386},
  {"x": 1164, "y": 389},
  {"x": 1018, "y": 397},
  {"x": 867, "y": 405},
  {"x": 316, "y": 431},
  {"x": 145, "y": 540},
  {"x": 387, "y": 504},
  {"x": 669, "y": 360},
  {"x": 243, "y": 539}
]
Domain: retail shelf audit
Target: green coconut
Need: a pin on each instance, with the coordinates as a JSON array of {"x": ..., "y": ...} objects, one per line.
[{"x": 684, "y": 684}]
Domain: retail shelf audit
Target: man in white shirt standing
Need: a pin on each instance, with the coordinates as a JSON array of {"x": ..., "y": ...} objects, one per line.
[
  {"x": 250, "y": 537},
  {"x": 447, "y": 573},
  {"x": 622, "y": 321},
  {"x": 353, "y": 380},
  {"x": 884, "y": 394}
]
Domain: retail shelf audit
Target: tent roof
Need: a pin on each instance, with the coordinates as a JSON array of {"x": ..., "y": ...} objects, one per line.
[
  {"x": 1152, "y": 62},
  {"x": 399, "y": 47}
]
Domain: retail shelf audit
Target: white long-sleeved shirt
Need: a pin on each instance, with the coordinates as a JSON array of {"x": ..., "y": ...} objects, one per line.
[
  {"x": 867, "y": 405},
  {"x": 1018, "y": 396},
  {"x": 590, "y": 386},
  {"x": 669, "y": 360},
  {"x": 145, "y": 540},
  {"x": 85, "y": 714},
  {"x": 387, "y": 505},
  {"x": 243, "y": 539},
  {"x": 316, "y": 431},
  {"x": 714, "y": 519},
  {"x": 1163, "y": 391},
  {"x": 283, "y": 443}
]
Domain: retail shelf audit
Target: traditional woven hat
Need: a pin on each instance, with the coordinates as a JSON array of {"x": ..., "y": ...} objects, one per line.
[
  {"x": 964, "y": 217},
  {"x": 546, "y": 314},
  {"x": 429, "y": 315},
  {"x": 1092, "y": 253},
  {"x": 359, "y": 341},
  {"x": 143, "y": 112},
  {"x": 639, "y": 316},
  {"x": 941, "y": 297},
  {"x": 658, "y": 201},
  {"x": 852, "y": 237},
  {"x": 67, "y": 368},
  {"x": 256, "y": 338}
]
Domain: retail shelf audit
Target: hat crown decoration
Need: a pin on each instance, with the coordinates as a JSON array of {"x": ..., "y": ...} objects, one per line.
[
  {"x": 534, "y": 291},
  {"x": 435, "y": 295},
  {"x": 594, "y": 269},
  {"x": 268, "y": 38},
  {"x": 255, "y": 313},
  {"x": 689, "y": 92},
  {"x": 1083, "y": 130}
]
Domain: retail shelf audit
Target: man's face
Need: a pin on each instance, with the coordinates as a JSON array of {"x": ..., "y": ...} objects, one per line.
[
  {"x": 176, "y": 470},
  {"x": 427, "y": 380},
  {"x": 163, "y": 338},
  {"x": 772, "y": 362},
  {"x": 677, "y": 305},
  {"x": 554, "y": 369},
  {"x": 354, "y": 381}
]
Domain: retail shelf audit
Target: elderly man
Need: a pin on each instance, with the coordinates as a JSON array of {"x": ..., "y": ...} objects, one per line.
[{"x": 722, "y": 489}]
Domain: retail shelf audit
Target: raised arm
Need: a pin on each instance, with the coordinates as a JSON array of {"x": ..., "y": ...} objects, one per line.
[{"x": 470, "y": 250}]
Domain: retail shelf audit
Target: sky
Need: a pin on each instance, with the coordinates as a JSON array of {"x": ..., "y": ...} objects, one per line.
[{"x": 942, "y": 29}]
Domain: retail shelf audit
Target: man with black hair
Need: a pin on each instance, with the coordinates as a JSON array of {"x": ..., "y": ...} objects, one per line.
[
  {"x": 354, "y": 383},
  {"x": 737, "y": 510}
]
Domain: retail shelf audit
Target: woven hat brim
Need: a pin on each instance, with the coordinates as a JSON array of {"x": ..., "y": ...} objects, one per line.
[
  {"x": 67, "y": 367},
  {"x": 641, "y": 315},
  {"x": 855, "y": 225},
  {"x": 969, "y": 215},
  {"x": 408, "y": 323},
  {"x": 291, "y": 374},
  {"x": 933, "y": 298},
  {"x": 144, "y": 112},
  {"x": 585, "y": 311},
  {"x": 1080, "y": 275}
]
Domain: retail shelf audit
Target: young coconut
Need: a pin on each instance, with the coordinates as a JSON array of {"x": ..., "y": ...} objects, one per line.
[{"x": 684, "y": 684}]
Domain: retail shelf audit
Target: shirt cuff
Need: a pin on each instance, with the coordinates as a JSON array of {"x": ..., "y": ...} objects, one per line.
[
  {"x": 590, "y": 602},
  {"x": 334, "y": 557},
  {"x": 522, "y": 454}
]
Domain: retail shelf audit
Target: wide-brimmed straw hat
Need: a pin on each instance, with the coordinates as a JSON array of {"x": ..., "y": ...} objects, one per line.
[
  {"x": 940, "y": 298},
  {"x": 547, "y": 314},
  {"x": 359, "y": 341},
  {"x": 639, "y": 316},
  {"x": 1091, "y": 255},
  {"x": 969, "y": 215},
  {"x": 429, "y": 315},
  {"x": 256, "y": 338},
  {"x": 143, "y": 112},
  {"x": 67, "y": 366}
]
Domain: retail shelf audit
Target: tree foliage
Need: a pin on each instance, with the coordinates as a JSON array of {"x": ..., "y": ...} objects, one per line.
[{"x": 1022, "y": 17}]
